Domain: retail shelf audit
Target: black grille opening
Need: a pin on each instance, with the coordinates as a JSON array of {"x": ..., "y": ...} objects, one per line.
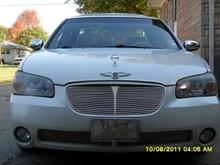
[{"x": 146, "y": 138}]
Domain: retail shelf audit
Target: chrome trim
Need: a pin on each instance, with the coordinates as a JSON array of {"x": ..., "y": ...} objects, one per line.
[
  {"x": 115, "y": 59},
  {"x": 115, "y": 75},
  {"x": 113, "y": 84},
  {"x": 191, "y": 45},
  {"x": 115, "y": 91}
]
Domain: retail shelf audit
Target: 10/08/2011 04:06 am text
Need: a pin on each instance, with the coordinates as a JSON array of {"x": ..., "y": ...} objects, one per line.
[{"x": 178, "y": 149}]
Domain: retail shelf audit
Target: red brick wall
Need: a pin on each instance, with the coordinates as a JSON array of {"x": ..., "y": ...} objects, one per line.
[
  {"x": 193, "y": 23},
  {"x": 166, "y": 13},
  {"x": 188, "y": 17}
]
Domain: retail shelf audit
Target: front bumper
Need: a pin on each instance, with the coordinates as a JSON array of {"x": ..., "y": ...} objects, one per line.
[{"x": 175, "y": 118}]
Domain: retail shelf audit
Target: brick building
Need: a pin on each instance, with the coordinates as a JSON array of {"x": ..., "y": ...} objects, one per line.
[{"x": 198, "y": 20}]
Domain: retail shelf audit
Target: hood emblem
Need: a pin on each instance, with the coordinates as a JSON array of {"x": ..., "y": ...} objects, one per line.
[
  {"x": 115, "y": 59},
  {"x": 115, "y": 75}
]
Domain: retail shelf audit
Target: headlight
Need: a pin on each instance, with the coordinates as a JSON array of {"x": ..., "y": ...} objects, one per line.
[
  {"x": 196, "y": 86},
  {"x": 32, "y": 85}
]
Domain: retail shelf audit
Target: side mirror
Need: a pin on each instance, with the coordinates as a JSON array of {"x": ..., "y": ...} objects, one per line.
[
  {"x": 36, "y": 44},
  {"x": 191, "y": 45}
]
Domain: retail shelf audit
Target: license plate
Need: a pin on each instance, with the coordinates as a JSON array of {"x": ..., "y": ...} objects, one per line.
[{"x": 121, "y": 130}]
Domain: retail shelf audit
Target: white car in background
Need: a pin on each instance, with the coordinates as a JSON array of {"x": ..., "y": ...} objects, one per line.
[
  {"x": 17, "y": 60},
  {"x": 114, "y": 82}
]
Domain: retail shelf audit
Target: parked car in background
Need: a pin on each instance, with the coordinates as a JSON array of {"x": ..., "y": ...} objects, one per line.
[
  {"x": 13, "y": 53},
  {"x": 114, "y": 82},
  {"x": 17, "y": 60}
]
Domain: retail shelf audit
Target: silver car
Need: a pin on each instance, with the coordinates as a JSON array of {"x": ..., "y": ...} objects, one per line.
[{"x": 114, "y": 83}]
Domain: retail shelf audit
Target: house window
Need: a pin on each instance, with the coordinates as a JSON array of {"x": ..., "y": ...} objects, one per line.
[{"x": 7, "y": 51}]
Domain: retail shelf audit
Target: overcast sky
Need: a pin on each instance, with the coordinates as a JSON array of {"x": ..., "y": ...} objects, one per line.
[{"x": 51, "y": 12}]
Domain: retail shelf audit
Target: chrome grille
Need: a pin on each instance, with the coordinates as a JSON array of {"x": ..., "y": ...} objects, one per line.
[
  {"x": 95, "y": 100},
  {"x": 126, "y": 100},
  {"x": 138, "y": 99}
]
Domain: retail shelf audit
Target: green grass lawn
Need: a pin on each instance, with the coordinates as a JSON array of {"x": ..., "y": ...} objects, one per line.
[{"x": 7, "y": 73}]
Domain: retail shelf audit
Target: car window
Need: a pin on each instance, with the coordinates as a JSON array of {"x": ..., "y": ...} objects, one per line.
[{"x": 112, "y": 32}]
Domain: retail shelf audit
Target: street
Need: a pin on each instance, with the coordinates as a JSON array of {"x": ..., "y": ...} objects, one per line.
[{"x": 11, "y": 155}]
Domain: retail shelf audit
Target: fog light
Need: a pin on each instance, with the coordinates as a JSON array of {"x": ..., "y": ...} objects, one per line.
[
  {"x": 207, "y": 136},
  {"x": 22, "y": 135}
]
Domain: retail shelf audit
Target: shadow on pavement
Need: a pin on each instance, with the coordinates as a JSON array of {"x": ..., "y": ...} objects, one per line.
[{"x": 68, "y": 157}]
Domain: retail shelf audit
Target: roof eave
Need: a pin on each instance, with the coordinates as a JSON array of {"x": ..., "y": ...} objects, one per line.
[{"x": 156, "y": 3}]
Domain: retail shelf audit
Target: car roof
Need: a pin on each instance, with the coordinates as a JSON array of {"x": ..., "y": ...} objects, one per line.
[{"x": 126, "y": 15}]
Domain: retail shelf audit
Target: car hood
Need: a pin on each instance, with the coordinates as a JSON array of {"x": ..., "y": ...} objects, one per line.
[{"x": 63, "y": 66}]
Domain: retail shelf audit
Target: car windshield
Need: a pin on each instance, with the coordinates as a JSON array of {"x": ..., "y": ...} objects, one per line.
[{"x": 109, "y": 32}]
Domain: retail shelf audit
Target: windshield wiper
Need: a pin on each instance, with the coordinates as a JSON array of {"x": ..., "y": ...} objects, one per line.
[
  {"x": 117, "y": 46},
  {"x": 131, "y": 46},
  {"x": 65, "y": 47}
]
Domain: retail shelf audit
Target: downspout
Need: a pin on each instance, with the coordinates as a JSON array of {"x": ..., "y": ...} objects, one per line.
[
  {"x": 174, "y": 17},
  {"x": 211, "y": 34}
]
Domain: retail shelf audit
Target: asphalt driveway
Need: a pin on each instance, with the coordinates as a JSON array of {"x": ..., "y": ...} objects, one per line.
[{"x": 11, "y": 155}]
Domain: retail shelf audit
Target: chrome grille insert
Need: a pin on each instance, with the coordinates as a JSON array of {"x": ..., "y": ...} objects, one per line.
[
  {"x": 97, "y": 100},
  {"x": 138, "y": 99},
  {"x": 115, "y": 99}
]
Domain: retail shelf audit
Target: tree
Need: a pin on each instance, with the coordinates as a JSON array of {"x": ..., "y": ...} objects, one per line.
[
  {"x": 27, "y": 19},
  {"x": 30, "y": 33},
  {"x": 121, "y": 6},
  {"x": 3, "y": 32}
]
